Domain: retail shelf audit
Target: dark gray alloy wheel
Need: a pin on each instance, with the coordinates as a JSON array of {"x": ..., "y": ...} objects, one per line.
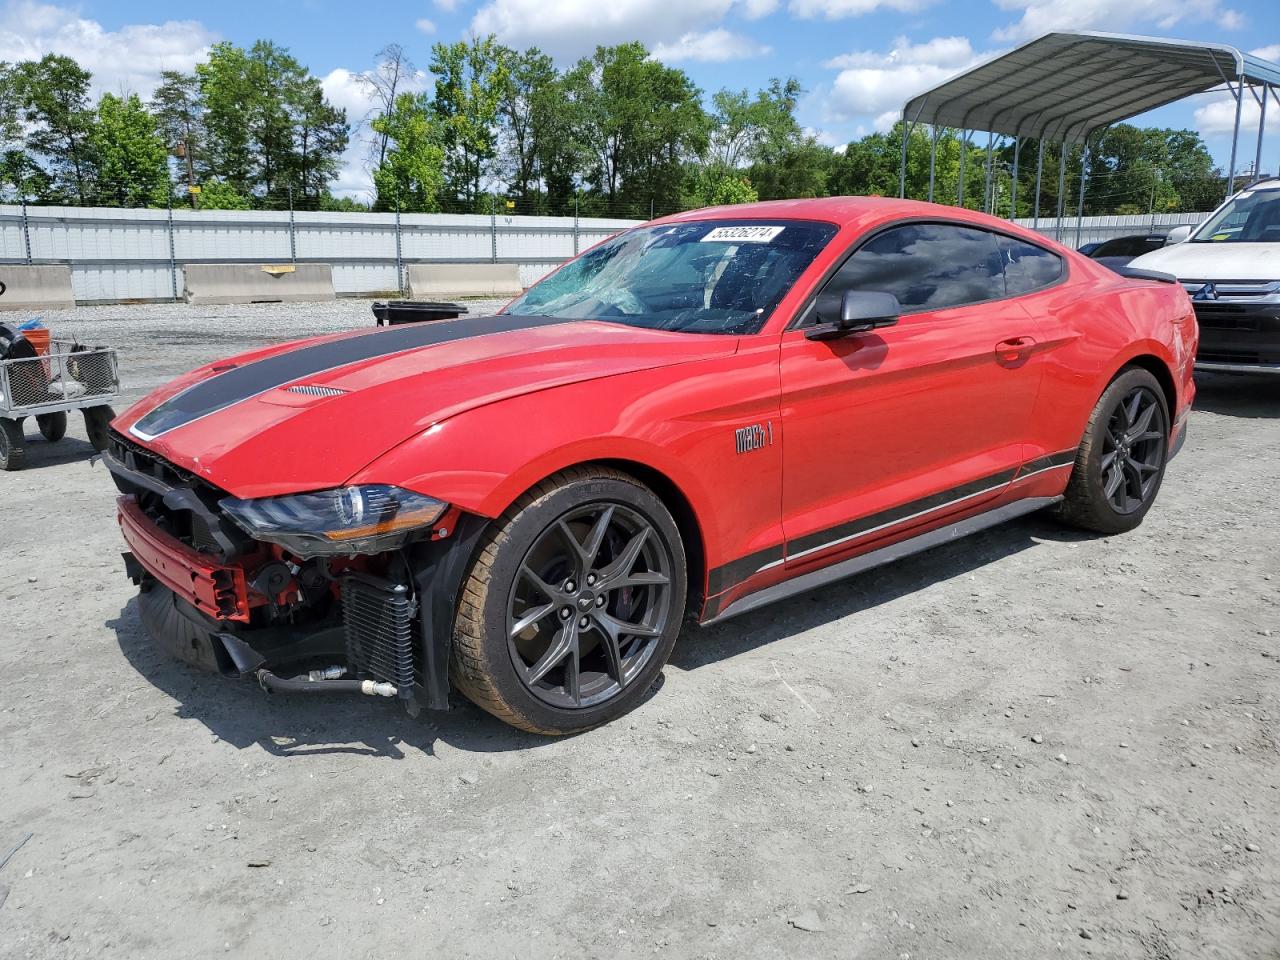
[
  {"x": 590, "y": 601},
  {"x": 1133, "y": 450},
  {"x": 1122, "y": 457},
  {"x": 573, "y": 603}
]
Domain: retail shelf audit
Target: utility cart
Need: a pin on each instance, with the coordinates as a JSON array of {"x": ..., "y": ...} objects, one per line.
[{"x": 45, "y": 378}]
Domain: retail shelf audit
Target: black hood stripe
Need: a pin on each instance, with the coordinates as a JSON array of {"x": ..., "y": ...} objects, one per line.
[{"x": 253, "y": 379}]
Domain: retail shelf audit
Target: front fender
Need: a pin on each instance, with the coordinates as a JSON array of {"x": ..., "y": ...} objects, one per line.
[{"x": 678, "y": 422}]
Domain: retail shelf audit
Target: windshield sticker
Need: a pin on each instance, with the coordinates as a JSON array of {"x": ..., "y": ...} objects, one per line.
[{"x": 744, "y": 234}]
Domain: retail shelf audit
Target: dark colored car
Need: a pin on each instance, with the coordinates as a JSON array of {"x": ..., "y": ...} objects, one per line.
[{"x": 1118, "y": 252}]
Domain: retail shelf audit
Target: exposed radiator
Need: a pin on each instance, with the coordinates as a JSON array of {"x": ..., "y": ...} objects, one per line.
[{"x": 378, "y": 623}]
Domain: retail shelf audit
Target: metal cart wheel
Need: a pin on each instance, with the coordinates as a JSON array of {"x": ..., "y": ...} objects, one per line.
[
  {"x": 97, "y": 420},
  {"x": 13, "y": 448},
  {"x": 53, "y": 426}
]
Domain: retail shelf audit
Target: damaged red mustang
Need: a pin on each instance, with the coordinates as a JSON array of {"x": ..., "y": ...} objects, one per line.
[{"x": 702, "y": 415}]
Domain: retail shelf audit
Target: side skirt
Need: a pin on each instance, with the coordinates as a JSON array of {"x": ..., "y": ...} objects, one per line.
[{"x": 875, "y": 558}]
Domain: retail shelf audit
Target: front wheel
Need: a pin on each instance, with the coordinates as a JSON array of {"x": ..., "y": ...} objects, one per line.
[
  {"x": 1121, "y": 461},
  {"x": 572, "y": 605}
]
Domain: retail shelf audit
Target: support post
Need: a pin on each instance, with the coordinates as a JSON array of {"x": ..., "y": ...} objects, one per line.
[
  {"x": 902, "y": 166},
  {"x": 1262, "y": 127},
  {"x": 293, "y": 237},
  {"x": 964, "y": 149},
  {"x": 1013, "y": 187},
  {"x": 933, "y": 158},
  {"x": 1062, "y": 189},
  {"x": 493, "y": 228},
  {"x": 173, "y": 256},
  {"x": 399, "y": 253},
  {"x": 1035, "y": 217},
  {"x": 1084, "y": 173},
  {"x": 1235, "y": 138},
  {"x": 575, "y": 224},
  {"x": 26, "y": 228},
  {"x": 986, "y": 179}
]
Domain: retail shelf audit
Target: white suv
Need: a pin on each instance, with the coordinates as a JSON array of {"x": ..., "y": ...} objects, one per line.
[{"x": 1230, "y": 266}]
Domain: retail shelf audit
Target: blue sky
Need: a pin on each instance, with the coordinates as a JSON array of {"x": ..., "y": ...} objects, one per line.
[{"x": 859, "y": 59}]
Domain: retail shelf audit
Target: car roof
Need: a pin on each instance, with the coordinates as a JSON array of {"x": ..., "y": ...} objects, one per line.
[{"x": 855, "y": 212}]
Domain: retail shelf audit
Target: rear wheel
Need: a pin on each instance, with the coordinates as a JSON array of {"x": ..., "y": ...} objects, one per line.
[
  {"x": 1121, "y": 461},
  {"x": 97, "y": 421},
  {"x": 53, "y": 426},
  {"x": 572, "y": 605},
  {"x": 13, "y": 448}
]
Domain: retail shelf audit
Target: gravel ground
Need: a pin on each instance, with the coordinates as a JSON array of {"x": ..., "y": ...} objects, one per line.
[{"x": 1030, "y": 743}]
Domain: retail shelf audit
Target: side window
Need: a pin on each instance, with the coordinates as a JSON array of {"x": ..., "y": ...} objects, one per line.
[
  {"x": 1027, "y": 267},
  {"x": 927, "y": 266}
]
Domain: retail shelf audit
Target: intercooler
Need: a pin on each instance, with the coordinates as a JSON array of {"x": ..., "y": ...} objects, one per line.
[{"x": 378, "y": 623}]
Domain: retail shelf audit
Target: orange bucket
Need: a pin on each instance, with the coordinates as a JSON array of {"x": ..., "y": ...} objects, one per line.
[{"x": 39, "y": 339}]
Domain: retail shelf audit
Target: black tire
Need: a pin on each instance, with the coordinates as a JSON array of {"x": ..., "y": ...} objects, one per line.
[
  {"x": 97, "y": 420},
  {"x": 511, "y": 670},
  {"x": 53, "y": 426},
  {"x": 13, "y": 448},
  {"x": 1120, "y": 464}
]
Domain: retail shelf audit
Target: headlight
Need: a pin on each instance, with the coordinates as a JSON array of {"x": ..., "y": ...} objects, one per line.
[{"x": 344, "y": 522}]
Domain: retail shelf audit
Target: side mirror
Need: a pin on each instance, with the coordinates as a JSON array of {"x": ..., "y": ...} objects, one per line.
[
  {"x": 1179, "y": 235},
  {"x": 860, "y": 311}
]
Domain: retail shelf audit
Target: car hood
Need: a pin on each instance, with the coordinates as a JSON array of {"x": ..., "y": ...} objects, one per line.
[
  {"x": 1214, "y": 261},
  {"x": 310, "y": 415}
]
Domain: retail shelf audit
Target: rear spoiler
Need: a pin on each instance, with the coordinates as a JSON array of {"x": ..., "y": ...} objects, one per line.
[{"x": 1133, "y": 273}]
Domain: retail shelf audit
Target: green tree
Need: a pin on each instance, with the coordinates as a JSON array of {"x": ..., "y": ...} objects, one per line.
[
  {"x": 179, "y": 114},
  {"x": 641, "y": 121},
  {"x": 411, "y": 175},
  {"x": 471, "y": 78},
  {"x": 530, "y": 77},
  {"x": 132, "y": 163},
  {"x": 52, "y": 94},
  {"x": 719, "y": 186},
  {"x": 269, "y": 129},
  {"x": 220, "y": 195}
]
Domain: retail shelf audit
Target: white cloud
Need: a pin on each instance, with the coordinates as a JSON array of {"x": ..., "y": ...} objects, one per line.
[
  {"x": 572, "y": 28},
  {"x": 129, "y": 59},
  {"x": 841, "y": 9},
  {"x": 1268, "y": 53},
  {"x": 713, "y": 46},
  {"x": 425, "y": 26},
  {"x": 447, "y": 4},
  {"x": 874, "y": 84},
  {"x": 1043, "y": 16}
]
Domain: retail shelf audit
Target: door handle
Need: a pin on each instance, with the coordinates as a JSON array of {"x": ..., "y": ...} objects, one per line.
[{"x": 1014, "y": 350}]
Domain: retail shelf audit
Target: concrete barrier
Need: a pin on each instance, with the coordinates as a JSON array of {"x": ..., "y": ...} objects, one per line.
[
  {"x": 254, "y": 283},
  {"x": 36, "y": 287},
  {"x": 430, "y": 281}
]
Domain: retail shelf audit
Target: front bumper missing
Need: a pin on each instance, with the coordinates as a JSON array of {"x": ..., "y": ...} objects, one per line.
[
  {"x": 198, "y": 610},
  {"x": 216, "y": 589}
]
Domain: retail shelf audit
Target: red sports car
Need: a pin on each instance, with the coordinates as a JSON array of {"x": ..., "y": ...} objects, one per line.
[{"x": 699, "y": 416}]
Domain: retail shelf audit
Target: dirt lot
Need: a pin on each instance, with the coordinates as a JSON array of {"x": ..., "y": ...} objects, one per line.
[{"x": 1027, "y": 744}]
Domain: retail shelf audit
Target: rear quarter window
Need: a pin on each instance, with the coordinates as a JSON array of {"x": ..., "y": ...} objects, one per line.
[{"x": 1028, "y": 268}]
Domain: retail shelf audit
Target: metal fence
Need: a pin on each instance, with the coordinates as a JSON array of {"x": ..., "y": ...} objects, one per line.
[
  {"x": 1093, "y": 229},
  {"x": 137, "y": 254}
]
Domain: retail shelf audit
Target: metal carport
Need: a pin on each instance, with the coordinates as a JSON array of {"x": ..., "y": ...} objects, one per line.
[{"x": 1067, "y": 87}]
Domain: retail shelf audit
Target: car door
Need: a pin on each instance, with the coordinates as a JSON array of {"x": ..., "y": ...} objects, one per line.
[{"x": 898, "y": 426}]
